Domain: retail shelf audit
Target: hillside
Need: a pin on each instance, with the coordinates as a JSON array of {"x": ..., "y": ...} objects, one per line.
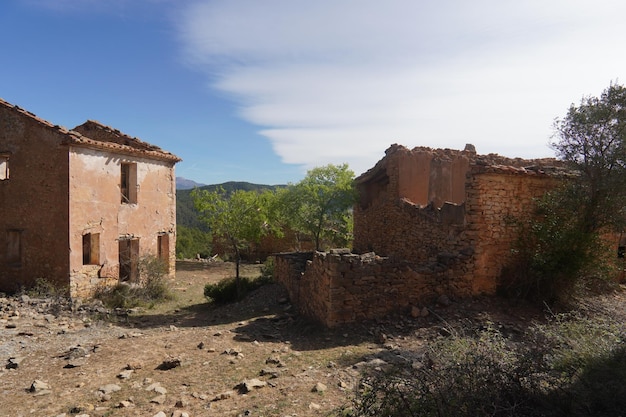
[{"x": 186, "y": 214}]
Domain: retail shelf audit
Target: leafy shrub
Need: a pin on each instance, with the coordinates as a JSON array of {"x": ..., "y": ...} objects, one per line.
[
  {"x": 151, "y": 288},
  {"x": 556, "y": 252},
  {"x": 267, "y": 270},
  {"x": 575, "y": 367},
  {"x": 49, "y": 289},
  {"x": 225, "y": 291}
]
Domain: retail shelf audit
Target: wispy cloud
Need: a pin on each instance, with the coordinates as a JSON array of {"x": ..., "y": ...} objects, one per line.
[{"x": 338, "y": 81}]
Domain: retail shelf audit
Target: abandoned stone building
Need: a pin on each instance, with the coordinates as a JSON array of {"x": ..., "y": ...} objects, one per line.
[
  {"x": 429, "y": 223},
  {"x": 80, "y": 208}
]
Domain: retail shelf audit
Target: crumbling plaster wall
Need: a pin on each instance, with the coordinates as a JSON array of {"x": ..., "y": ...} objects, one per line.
[
  {"x": 95, "y": 207},
  {"x": 33, "y": 201},
  {"x": 411, "y": 204}
]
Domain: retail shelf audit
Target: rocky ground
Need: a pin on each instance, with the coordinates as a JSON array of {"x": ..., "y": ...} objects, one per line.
[{"x": 186, "y": 357}]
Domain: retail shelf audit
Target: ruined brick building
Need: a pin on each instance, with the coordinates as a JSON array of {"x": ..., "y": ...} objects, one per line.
[
  {"x": 80, "y": 208},
  {"x": 429, "y": 222}
]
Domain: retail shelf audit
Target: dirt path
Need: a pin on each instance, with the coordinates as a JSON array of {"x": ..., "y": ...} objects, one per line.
[
  {"x": 211, "y": 351},
  {"x": 252, "y": 358}
]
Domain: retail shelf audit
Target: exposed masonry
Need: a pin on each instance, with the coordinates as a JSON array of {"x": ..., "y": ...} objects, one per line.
[
  {"x": 80, "y": 207},
  {"x": 429, "y": 222}
]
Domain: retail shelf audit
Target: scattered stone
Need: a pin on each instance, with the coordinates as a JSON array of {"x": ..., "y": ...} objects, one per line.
[
  {"x": 273, "y": 373},
  {"x": 170, "y": 363},
  {"x": 134, "y": 365},
  {"x": 125, "y": 404},
  {"x": 160, "y": 414},
  {"x": 201, "y": 345},
  {"x": 223, "y": 396},
  {"x": 11, "y": 326},
  {"x": 314, "y": 406},
  {"x": 250, "y": 384},
  {"x": 14, "y": 362},
  {"x": 424, "y": 312},
  {"x": 319, "y": 387},
  {"x": 76, "y": 352},
  {"x": 415, "y": 312},
  {"x": 39, "y": 387},
  {"x": 179, "y": 413},
  {"x": 159, "y": 399},
  {"x": 109, "y": 388},
  {"x": 274, "y": 360},
  {"x": 75, "y": 363},
  {"x": 125, "y": 374},
  {"x": 156, "y": 387}
]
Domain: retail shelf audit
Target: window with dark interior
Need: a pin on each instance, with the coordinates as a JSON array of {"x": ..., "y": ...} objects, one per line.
[
  {"x": 91, "y": 249},
  {"x": 128, "y": 183},
  {"x": 14, "y": 248}
]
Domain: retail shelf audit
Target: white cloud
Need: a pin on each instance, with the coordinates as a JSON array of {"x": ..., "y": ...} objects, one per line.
[{"x": 339, "y": 81}]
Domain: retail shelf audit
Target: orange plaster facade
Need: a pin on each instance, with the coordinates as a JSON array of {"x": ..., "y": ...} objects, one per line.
[{"x": 80, "y": 208}]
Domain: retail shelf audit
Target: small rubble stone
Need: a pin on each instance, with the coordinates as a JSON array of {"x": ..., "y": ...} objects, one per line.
[
  {"x": 160, "y": 414},
  {"x": 180, "y": 413},
  {"x": 40, "y": 387},
  {"x": 156, "y": 387},
  {"x": 319, "y": 387},
  {"x": 134, "y": 365},
  {"x": 223, "y": 396},
  {"x": 170, "y": 363},
  {"x": 109, "y": 388},
  {"x": 125, "y": 404},
  {"x": 125, "y": 374},
  {"x": 75, "y": 363},
  {"x": 250, "y": 384},
  {"x": 159, "y": 399},
  {"x": 14, "y": 362}
]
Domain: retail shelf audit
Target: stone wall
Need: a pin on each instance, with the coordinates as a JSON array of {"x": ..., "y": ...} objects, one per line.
[
  {"x": 339, "y": 287},
  {"x": 496, "y": 200},
  {"x": 440, "y": 222}
]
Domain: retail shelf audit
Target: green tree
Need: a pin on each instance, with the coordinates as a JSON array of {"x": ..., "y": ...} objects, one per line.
[
  {"x": 192, "y": 241},
  {"x": 562, "y": 245},
  {"x": 320, "y": 205},
  {"x": 239, "y": 217},
  {"x": 592, "y": 139}
]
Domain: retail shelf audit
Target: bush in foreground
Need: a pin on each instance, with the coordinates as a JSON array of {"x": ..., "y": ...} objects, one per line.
[
  {"x": 225, "y": 291},
  {"x": 573, "y": 367},
  {"x": 152, "y": 287}
]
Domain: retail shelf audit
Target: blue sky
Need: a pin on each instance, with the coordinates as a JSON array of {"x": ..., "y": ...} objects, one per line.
[{"x": 261, "y": 91}]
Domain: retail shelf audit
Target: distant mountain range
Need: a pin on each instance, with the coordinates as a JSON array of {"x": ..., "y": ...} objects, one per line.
[{"x": 185, "y": 184}]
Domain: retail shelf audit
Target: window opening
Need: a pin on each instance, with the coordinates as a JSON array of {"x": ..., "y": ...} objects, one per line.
[
  {"x": 4, "y": 166},
  {"x": 14, "y": 248},
  {"x": 163, "y": 243},
  {"x": 129, "y": 259},
  {"x": 128, "y": 183},
  {"x": 91, "y": 249}
]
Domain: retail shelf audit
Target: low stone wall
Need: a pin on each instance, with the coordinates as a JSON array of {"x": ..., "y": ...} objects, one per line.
[{"x": 341, "y": 287}]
